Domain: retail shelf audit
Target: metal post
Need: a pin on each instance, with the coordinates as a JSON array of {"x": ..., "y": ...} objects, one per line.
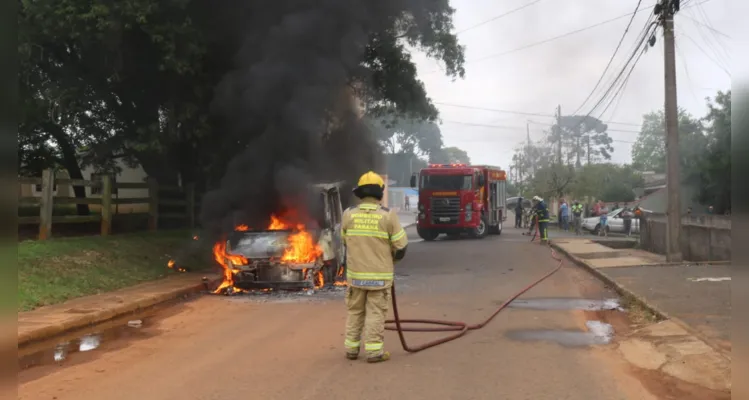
[{"x": 673, "y": 173}]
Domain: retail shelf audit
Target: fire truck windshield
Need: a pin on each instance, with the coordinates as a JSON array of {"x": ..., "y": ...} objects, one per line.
[{"x": 446, "y": 182}]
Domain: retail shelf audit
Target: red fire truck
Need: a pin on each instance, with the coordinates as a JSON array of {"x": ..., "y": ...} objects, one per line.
[{"x": 459, "y": 198}]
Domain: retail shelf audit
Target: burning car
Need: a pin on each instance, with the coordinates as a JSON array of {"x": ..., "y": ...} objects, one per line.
[{"x": 286, "y": 255}]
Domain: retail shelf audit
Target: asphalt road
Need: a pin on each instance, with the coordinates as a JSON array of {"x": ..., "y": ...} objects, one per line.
[{"x": 291, "y": 347}]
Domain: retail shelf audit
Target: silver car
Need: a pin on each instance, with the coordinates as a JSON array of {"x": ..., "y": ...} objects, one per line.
[{"x": 615, "y": 223}]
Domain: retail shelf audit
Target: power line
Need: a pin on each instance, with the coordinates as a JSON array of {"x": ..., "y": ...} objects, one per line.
[
  {"x": 555, "y": 37},
  {"x": 712, "y": 35},
  {"x": 620, "y": 90},
  {"x": 528, "y": 46},
  {"x": 532, "y": 114},
  {"x": 520, "y": 129},
  {"x": 646, "y": 33},
  {"x": 705, "y": 25},
  {"x": 496, "y": 17},
  {"x": 611, "y": 60},
  {"x": 718, "y": 64}
]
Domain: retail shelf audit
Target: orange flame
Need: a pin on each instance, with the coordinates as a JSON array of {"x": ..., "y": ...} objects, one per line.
[
  {"x": 224, "y": 258},
  {"x": 172, "y": 264},
  {"x": 277, "y": 225},
  {"x": 302, "y": 249},
  {"x": 339, "y": 278}
]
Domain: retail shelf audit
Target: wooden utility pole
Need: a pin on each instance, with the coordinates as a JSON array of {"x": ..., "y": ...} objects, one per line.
[
  {"x": 673, "y": 173},
  {"x": 559, "y": 134}
]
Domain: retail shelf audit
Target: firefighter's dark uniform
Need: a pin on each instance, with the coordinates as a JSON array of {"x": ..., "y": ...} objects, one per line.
[
  {"x": 374, "y": 240},
  {"x": 542, "y": 216}
]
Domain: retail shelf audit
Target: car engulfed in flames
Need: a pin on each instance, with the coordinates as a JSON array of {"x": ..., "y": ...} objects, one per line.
[{"x": 286, "y": 255}]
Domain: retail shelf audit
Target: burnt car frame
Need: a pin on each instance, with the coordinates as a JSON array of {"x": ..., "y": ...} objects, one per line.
[{"x": 264, "y": 249}]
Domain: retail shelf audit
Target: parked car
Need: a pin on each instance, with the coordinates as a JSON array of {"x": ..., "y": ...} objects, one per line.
[{"x": 614, "y": 224}]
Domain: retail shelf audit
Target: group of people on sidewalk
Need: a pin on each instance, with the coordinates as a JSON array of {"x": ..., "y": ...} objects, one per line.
[
  {"x": 573, "y": 215},
  {"x": 567, "y": 214}
]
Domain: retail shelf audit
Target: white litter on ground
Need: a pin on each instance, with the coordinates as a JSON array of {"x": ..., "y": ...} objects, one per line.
[{"x": 721, "y": 279}]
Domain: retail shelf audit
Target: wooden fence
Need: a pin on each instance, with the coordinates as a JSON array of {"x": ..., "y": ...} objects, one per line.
[{"x": 48, "y": 200}]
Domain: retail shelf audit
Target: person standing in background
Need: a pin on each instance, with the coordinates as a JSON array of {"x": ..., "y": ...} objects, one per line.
[
  {"x": 627, "y": 216},
  {"x": 519, "y": 213},
  {"x": 577, "y": 215},
  {"x": 407, "y": 204},
  {"x": 604, "y": 219},
  {"x": 564, "y": 216}
]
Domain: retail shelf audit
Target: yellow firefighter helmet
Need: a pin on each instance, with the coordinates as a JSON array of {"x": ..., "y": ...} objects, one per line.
[{"x": 371, "y": 178}]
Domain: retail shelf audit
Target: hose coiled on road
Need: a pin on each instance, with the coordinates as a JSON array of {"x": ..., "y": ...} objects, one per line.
[{"x": 461, "y": 328}]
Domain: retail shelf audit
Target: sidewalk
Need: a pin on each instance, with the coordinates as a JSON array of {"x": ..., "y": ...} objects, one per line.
[
  {"x": 407, "y": 218},
  {"x": 697, "y": 297},
  {"x": 49, "y": 321}
]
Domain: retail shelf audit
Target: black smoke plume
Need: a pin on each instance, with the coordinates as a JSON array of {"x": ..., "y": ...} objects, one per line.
[{"x": 290, "y": 91}]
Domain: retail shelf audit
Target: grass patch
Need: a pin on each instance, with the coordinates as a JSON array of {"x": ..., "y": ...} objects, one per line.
[
  {"x": 638, "y": 314},
  {"x": 56, "y": 270}
]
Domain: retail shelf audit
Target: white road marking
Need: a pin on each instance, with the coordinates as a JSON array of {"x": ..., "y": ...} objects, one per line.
[
  {"x": 416, "y": 241},
  {"x": 721, "y": 279}
]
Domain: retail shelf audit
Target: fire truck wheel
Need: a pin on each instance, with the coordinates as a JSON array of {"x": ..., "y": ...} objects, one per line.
[
  {"x": 481, "y": 230},
  {"x": 496, "y": 230},
  {"x": 427, "y": 234}
]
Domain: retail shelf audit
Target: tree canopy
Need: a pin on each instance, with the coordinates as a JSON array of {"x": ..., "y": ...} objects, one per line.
[
  {"x": 713, "y": 169},
  {"x": 649, "y": 150},
  {"x": 450, "y": 155},
  {"x": 137, "y": 80},
  {"x": 704, "y": 151}
]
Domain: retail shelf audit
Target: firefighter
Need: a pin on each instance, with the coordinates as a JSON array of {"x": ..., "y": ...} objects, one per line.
[
  {"x": 374, "y": 240},
  {"x": 577, "y": 214},
  {"x": 542, "y": 218}
]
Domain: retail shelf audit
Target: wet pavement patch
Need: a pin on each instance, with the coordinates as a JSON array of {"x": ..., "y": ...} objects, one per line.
[
  {"x": 561, "y": 303},
  {"x": 599, "y": 333},
  {"x": 66, "y": 349}
]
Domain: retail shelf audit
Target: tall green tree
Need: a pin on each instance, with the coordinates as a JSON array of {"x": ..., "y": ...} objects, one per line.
[
  {"x": 450, "y": 155},
  {"x": 649, "y": 150},
  {"x": 136, "y": 79},
  {"x": 583, "y": 138},
  {"x": 609, "y": 182},
  {"x": 714, "y": 165}
]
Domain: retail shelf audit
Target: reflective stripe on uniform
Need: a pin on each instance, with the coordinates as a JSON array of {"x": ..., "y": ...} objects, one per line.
[
  {"x": 543, "y": 220},
  {"x": 370, "y": 276},
  {"x": 373, "y": 346},
  {"x": 367, "y": 206},
  {"x": 367, "y": 283},
  {"x": 351, "y": 344},
  {"x": 399, "y": 235},
  {"x": 366, "y": 233}
]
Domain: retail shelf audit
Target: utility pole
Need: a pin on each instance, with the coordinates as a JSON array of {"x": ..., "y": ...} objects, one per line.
[
  {"x": 559, "y": 134},
  {"x": 531, "y": 168},
  {"x": 673, "y": 183}
]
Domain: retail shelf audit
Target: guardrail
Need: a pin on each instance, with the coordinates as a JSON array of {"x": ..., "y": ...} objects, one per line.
[{"x": 48, "y": 200}]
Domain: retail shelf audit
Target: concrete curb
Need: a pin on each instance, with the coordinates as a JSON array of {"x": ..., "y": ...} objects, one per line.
[
  {"x": 624, "y": 292},
  {"x": 45, "y": 332}
]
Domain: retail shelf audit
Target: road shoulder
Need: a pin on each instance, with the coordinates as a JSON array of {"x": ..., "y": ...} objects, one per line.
[{"x": 49, "y": 321}]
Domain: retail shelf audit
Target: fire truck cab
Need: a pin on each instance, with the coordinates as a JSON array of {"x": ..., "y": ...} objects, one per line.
[{"x": 459, "y": 198}]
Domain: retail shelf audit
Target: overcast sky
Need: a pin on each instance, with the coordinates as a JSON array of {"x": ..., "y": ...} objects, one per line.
[{"x": 564, "y": 71}]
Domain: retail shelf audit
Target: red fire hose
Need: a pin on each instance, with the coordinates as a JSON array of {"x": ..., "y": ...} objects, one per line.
[{"x": 461, "y": 328}]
